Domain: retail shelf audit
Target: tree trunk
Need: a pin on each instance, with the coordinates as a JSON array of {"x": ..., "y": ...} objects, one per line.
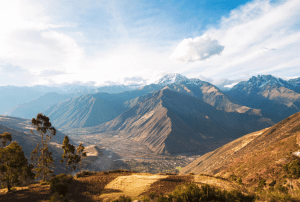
[
  {"x": 43, "y": 167},
  {"x": 66, "y": 165}
]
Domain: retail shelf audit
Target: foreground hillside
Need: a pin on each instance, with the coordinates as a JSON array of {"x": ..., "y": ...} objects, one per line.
[
  {"x": 266, "y": 154},
  {"x": 107, "y": 186}
]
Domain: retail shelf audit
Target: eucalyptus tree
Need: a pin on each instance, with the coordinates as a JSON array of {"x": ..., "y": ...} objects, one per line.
[
  {"x": 81, "y": 154},
  {"x": 41, "y": 155},
  {"x": 14, "y": 168}
]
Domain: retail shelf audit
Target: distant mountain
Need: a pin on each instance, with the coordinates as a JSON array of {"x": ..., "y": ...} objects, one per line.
[
  {"x": 226, "y": 84},
  {"x": 274, "y": 96},
  {"x": 171, "y": 122},
  {"x": 92, "y": 110},
  {"x": 31, "y": 109},
  {"x": 255, "y": 156},
  {"x": 296, "y": 84},
  {"x": 12, "y": 96},
  {"x": 116, "y": 89}
]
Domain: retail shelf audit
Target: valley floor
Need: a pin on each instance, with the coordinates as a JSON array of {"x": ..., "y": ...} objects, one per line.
[{"x": 125, "y": 154}]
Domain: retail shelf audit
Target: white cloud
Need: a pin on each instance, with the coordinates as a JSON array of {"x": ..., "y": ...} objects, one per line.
[
  {"x": 257, "y": 38},
  {"x": 199, "y": 48},
  {"x": 260, "y": 38}
]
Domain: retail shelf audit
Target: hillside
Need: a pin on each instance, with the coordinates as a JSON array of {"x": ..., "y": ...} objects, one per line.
[
  {"x": 108, "y": 186},
  {"x": 255, "y": 156},
  {"x": 168, "y": 122}
]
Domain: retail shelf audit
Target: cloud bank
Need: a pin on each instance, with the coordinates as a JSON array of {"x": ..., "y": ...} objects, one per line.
[
  {"x": 199, "y": 48},
  {"x": 260, "y": 37}
]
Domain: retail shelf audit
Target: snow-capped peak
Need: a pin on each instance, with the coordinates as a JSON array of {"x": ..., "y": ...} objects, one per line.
[
  {"x": 266, "y": 80},
  {"x": 171, "y": 78}
]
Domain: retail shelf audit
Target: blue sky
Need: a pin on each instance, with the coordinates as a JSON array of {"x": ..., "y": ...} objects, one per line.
[{"x": 135, "y": 41}]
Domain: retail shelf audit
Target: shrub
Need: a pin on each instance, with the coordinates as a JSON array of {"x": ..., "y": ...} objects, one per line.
[
  {"x": 57, "y": 198},
  {"x": 191, "y": 174},
  {"x": 59, "y": 184},
  {"x": 123, "y": 199},
  {"x": 281, "y": 188},
  {"x": 191, "y": 192},
  {"x": 232, "y": 177},
  {"x": 261, "y": 184},
  {"x": 152, "y": 195},
  {"x": 162, "y": 198},
  {"x": 239, "y": 181}
]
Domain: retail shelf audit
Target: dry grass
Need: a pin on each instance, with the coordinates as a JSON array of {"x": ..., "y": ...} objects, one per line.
[
  {"x": 33, "y": 192},
  {"x": 218, "y": 182}
]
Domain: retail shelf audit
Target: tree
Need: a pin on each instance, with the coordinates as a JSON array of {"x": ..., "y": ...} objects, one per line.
[
  {"x": 41, "y": 155},
  {"x": 14, "y": 168},
  {"x": 5, "y": 137},
  {"x": 69, "y": 152},
  {"x": 81, "y": 154},
  {"x": 72, "y": 159}
]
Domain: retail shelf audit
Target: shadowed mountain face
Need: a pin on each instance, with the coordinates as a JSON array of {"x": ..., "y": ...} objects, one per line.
[
  {"x": 253, "y": 156},
  {"x": 171, "y": 122},
  {"x": 296, "y": 84},
  {"x": 273, "y": 96}
]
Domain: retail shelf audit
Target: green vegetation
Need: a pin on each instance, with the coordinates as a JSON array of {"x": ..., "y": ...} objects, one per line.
[
  {"x": 81, "y": 154},
  {"x": 69, "y": 153},
  {"x": 14, "y": 168},
  {"x": 4, "y": 138},
  {"x": 72, "y": 159},
  {"x": 123, "y": 199},
  {"x": 41, "y": 156},
  {"x": 59, "y": 187}
]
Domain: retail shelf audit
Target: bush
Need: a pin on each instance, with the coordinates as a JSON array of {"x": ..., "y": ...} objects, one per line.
[
  {"x": 232, "y": 177},
  {"x": 152, "y": 195},
  {"x": 239, "y": 181},
  {"x": 191, "y": 192},
  {"x": 123, "y": 199},
  {"x": 59, "y": 184},
  {"x": 261, "y": 184},
  {"x": 162, "y": 198},
  {"x": 57, "y": 198}
]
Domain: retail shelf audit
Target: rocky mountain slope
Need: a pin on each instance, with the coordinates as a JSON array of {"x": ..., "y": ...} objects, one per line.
[
  {"x": 255, "y": 156},
  {"x": 92, "y": 110},
  {"x": 274, "y": 96},
  {"x": 296, "y": 84},
  {"x": 171, "y": 122}
]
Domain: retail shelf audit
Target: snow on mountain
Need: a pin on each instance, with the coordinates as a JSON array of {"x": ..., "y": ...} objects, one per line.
[
  {"x": 261, "y": 81},
  {"x": 171, "y": 78},
  {"x": 295, "y": 82},
  {"x": 177, "y": 78}
]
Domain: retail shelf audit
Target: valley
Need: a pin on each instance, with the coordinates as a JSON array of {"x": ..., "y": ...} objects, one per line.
[{"x": 128, "y": 155}]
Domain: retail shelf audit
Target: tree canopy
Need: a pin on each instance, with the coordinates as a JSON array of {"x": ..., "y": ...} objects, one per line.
[
  {"x": 14, "y": 168},
  {"x": 41, "y": 155}
]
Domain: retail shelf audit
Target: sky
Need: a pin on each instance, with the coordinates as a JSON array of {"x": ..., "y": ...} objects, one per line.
[{"x": 112, "y": 42}]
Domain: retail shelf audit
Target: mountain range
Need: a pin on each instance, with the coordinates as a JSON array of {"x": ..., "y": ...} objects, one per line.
[
  {"x": 173, "y": 115},
  {"x": 276, "y": 97}
]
